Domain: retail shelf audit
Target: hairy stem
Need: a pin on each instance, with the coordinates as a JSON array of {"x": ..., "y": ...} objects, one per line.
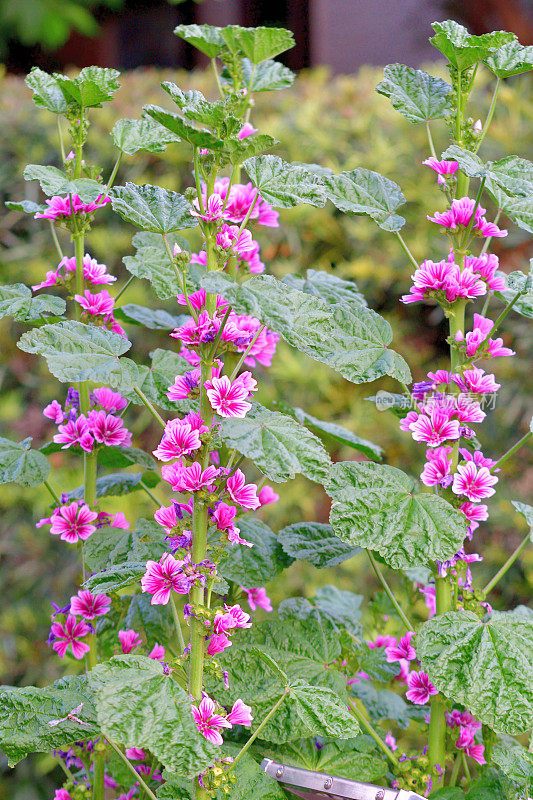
[
  {"x": 155, "y": 414},
  {"x": 177, "y": 623},
  {"x": 490, "y": 114},
  {"x": 56, "y": 240},
  {"x": 430, "y": 140},
  {"x": 132, "y": 769},
  {"x": 362, "y": 720},
  {"x": 375, "y": 566},
  {"x": 258, "y": 730},
  {"x": 98, "y": 774},
  {"x": 507, "y": 566},
  {"x": 403, "y": 243},
  {"x": 52, "y": 493},
  {"x": 113, "y": 174},
  {"x": 513, "y": 449}
]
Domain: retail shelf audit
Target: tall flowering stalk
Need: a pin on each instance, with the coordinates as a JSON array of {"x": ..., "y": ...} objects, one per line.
[{"x": 176, "y": 669}]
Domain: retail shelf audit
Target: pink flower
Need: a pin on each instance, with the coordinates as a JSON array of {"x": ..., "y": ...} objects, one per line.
[
  {"x": 108, "y": 429},
  {"x": 179, "y": 439},
  {"x": 162, "y": 577},
  {"x": 157, "y": 652},
  {"x": 212, "y": 208},
  {"x": 466, "y": 742},
  {"x": 438, "y": 467},
  {"x": 217, "y": 643},
  {"x": 109, "y": 400},
  {"x": 486, "y": 266},
  {"x": 232, "y": 617},
  {"x": 128, "y": 640},
  {"x": 193, "y": 333},
  {"x": 381, "y": 640},
  {"x": 62, "y": 794},
  {"x": 135, "y": 753},
  {"x": 460, "y": 214},
  {"x": 97, "y": 305},
  {"x": 92, "y": 271},
  {"x": 267, "y": 495},
  {"x": 89, "y": 606},
  {"x": 75, "y": 432},
  {"x": 54, "y": 411},
  {"x": 224, "y": 516},
  {"x": 246, "y": 130},
  {"x": 183, "y": 385},
  {"x": 207, "y": 721},
  {"x": 472, "y": 482},
  {"x": 258, "y": 598},
  {"x": 198, "y": 299},
  {"x": 435, "y": 428},
  {"x": 189, "y": 479},
  {"x": 430, "y": 599},
  {"x": 242, "y": 493},
  {"x": 73, "y": 522},
  {"x": 240, "y": 714},
  {"x": 442, "y": 168},
  {"x": 440, "y": 378},
  {"x": 475, "y": 513},
  {"x": 420, "y": 688},
  {"x": 476, "y": 381},
  {"x": 391, "y": 741},
  {"x": 478, "y": 458},
  {"x": 166, "y": 516},
  {"x": 230, "y": 399},
  {"x": 51, "y": 278},
  {"x": 68, "y": 635},
  {"x": 403, "y": 650}
]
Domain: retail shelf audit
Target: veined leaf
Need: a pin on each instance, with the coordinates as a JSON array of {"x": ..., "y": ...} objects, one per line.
[
  {"x": 511, "y": 59},
  {"x": 342, "y": 609},
  {"x": 22, "y": 465},
  {"x": 486, "y": 666},
  {"x": 155, "y": 380},
  {"x": 26, "y": 713},
  {"x": 198, "y": 137},
  {"x": 267, "y": 76},
  {"x": 513, "y": 760},
  {"x": 526, "y": 511},
  {"x": 461, "y": 48},
  {"x": 151, "y": 261},
  {"x": 363, "y": 191},
  {"x": 352, "y": 341},
  {"x": 315, "y": 542},
  {"x": 322, "y": 712},
  {"x": 152, "y": 208},
  {"x": 25, "y": 206},
  {"x": 419, "y": 97},
  {"x": 278, "y": 445},
  {"x": 195, "y": 107},
  {"x": 339, "y": 434},
  {"x": 115, "y": 456},
  {"x": 115, "y": 578},
  {"x": 132, "y": 135},
  {"x": 257, "y": 44},
  {"x": 377, "y": 507},
  {"x": 285, "y": 185},
  {"x": 92, "y": 87},
  {"x": 206, "y": 38},
  {"x": 240, "y": 149},
  {"x": 156, "y": 319},
  {"x": 46, "y": 91},
  {"x": 18, "y": 302},
  {"x": 117, "y": 484},
  {"x": 383, "y": 704},
  {"x": 155, "y": 622},
  {"x": 257, "y": 565},
  {"x": 54, "y": 181},
  {"x": 107, "y": 547},
  {"x": 137, "y": 705},
  {"x": 328, "y": 287}
]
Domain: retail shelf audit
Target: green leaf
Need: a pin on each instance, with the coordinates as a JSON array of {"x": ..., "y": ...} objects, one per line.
[
  {"x": 156, "y": 319},
  {"x": 46, "y": 91},
  {"x": 352, "y": 341},
  {"x": 154, "y": 381},
  {"x": 152, "y": 208},
  {"x": 257, "y": 44},
  {"x": 17, "y": 301},
  {"x": 322, "y": 711},
  {"x": 373, "y": 661},
  {"x": 330, "y": 288},
  {"x": 115, "y": 485},
  {"x": 470, "y": 163},
  {"x": 115, "y": 578},
  {"x": 285, "y": 185},
  {"x": 463, "y": 50},
  {"x": 266, "y": 77},
  {"x": 448, "y": 793},
  {"x": 419, "y": 97},
  {"x": 25, "y": 206},
  {"x": 353, "y": 759},
  {"x": 363, "y": 191},
  {"x": 114, "y": 456},
  {"x": 526, "y": 511},
  {"x": 25, "y": 714},
  {"x": 54, "y": 181},
  {"x": 511, "y": 59},
  {"x": 271, "y": 664},
  {"x": 195, "y": 107},
  {"x": 198, "y": 137},
  {"x": 240, "y": 149},
  {"x": 92, "y": 87},
  {"x": 486, "y": 666},
  {"x": 490, "y": 785},
  {"x": 132, "y": 135},
  {"x": 151, "y": 261},
  {"x": 278, "y": 445},
  {"x": 335, "y": 606},
  {"x": 339, "y": 434},
  {"x": 382, "y": 704},
  {"x": 138, "y": 706},
  {"x": 76, "y": 352},
  {"x": 513, "y": 760},
  {"x": 255, "y": 566},
  {"x": 206, "y": 38},
  {"x": 107, "y": 547},
  {"x": 376, "y": 507},
  {"x": 21, "y": 465},
  {"x": 155, "y": 622},
  {"x": 315, "y": 542}
]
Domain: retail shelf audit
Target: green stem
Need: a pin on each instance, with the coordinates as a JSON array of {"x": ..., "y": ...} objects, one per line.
[
  {"x": 489, "y": 238},
  {"x": 241, "y": 360},
  {"x": 132, "y": 769},
  {"x": 123, "y": 289},
  {"x": 90, "y": 464},
  {"x": 197, "y": 181},
  {"x": 513, "y": 449},
  {"x": 430, "y": 140},
  {"x": 56, "y": 240},
  {"x": 60, "y": 134},
  {"x": 408, "y": 624},
  {"x": 150, "y": 494},
  {"x": 156, "y": 415},
  {"x": 177, "y": 622},
  {"x": 470, "y": 225},
  {"x": 98, "y": 774},
  {"x": 113, "y": 174},
  {"x": 505, "y": 311},
  {"x": 52, "y": 493},
  {"x": 258, "y": 730},
  {"x": 248, "y": 213},
  {"x": 486, "y": 304},
  {"x": 459, "y": 114},
  {"x": 406, "y": 249},
  {"x": 455, "y": 770},
  {"x": 490, "y": 114},
  {"x": 217, "y": 77},
  {"x": 507, "y": 566},
  {"x": 181, "y": 277},
  {"x": 373, "y": 734},
  {"x": 65, "y": 769},
  {"x": 465, "y": 766}
]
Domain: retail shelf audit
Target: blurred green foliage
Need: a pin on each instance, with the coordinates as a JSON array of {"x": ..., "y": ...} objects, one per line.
[{"x": 340, "y": 123}]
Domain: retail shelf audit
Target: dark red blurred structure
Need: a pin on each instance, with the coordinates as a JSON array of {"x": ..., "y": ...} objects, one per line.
[{"x": 343, "y": 34}]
